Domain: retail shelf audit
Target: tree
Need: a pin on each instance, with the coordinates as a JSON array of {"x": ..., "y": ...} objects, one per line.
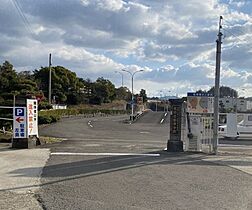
[
  {"x": 123, "y": 93},
  {"x": 11, "y": 82},
  {"x": 143, "y": 95},
  {"x": 104, "y": 90},
  {"x": 8, "y": 78},
  {"x": 225, "y": 92},
  {"x": 201, "y": 91},
  {"x": 65, "y": 84}
]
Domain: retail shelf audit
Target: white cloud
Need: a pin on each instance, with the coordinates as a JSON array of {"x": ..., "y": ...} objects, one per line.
[{"x": 173, "y": 41}]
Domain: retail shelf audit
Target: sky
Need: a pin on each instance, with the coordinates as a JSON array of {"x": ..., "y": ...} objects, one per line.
[{"x": 173, "y": 41}]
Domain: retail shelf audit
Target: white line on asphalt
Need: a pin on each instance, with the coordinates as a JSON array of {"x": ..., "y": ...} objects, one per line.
[
  {"x": 144, "y": 132},
  {"x": 165, "y": 114},
  {"x": 104, "y": 154},
  {"x": 161, "y": 121},
  {"x": 240, "y": 146},
  {"x": 89, "y": 123}
]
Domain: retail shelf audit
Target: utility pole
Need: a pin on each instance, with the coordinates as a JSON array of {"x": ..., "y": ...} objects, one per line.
[
  {"x": 217, "y": 89},
  {"x": 50, "y": 80}
]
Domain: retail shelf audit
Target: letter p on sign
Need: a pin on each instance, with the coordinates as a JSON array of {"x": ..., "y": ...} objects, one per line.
[{"x": 19, "y": 112}]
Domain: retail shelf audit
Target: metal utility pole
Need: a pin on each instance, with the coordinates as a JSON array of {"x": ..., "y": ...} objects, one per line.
[
  {"x": 50, "y": 80},
  {"x": 217, "y": 89}
]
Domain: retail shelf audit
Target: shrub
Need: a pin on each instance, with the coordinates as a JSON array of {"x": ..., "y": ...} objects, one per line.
[
  {"x": 44, "y": 105},
  {"x": 53, "y": 115},
  {"x": 45, "y": 119}
]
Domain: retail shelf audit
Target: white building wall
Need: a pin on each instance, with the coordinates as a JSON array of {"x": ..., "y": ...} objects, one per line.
[{"x": 249, "y": 105}]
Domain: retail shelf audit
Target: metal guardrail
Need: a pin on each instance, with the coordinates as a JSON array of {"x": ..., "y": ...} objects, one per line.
[
  {"x": 6, "y": 107},
  {"x": 7, "y": 119},
  {"x": 3, "y": 118},
  {"x": 4, "y": 132}
]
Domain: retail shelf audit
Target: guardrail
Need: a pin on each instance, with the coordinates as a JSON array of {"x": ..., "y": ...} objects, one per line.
[{"x": 5, "y": 118}]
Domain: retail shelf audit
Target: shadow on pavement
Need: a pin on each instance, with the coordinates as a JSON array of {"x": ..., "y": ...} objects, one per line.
[{"x": 70, "y": 171}]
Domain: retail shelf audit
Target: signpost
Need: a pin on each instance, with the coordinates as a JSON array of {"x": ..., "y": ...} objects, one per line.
[
  {"x": 25, "y": 125},
  {"x": 32, "y": 117},
  {"x": 200, "y": 108}
]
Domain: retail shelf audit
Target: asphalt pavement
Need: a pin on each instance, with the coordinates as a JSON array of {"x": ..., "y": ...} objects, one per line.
[{"x": 105, "y": 163}]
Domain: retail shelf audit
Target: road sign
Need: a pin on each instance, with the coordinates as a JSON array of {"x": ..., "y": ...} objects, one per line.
[
  {"x": 20, "y": 111},
  {"x": 19, "y": 123},
  {"x": 32, "y": 117}
]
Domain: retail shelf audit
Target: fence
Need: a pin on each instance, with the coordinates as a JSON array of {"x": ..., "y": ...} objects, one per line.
[{"x": 5, "y": 119}]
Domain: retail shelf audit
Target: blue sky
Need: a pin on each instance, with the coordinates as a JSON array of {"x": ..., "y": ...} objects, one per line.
[{"x": 172, "y": 40}]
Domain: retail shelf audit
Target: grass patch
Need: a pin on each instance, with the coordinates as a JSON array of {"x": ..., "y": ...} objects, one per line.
[
  {"x": 5, "y": 138},
  {"x": 50, "y": 140}
]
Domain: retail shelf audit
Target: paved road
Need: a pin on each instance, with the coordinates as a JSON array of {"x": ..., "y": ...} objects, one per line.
[
  {"x": 168, "y": 181},
  {"x": 153, "y": 118}
]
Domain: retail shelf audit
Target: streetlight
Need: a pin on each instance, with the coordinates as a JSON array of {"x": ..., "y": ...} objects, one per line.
[
  {"x": 121, "y": 75},
  {"x": 132, "y": 94}
]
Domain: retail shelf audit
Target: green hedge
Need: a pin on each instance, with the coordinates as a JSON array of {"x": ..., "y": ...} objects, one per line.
[{"x": 51, "y": 116}]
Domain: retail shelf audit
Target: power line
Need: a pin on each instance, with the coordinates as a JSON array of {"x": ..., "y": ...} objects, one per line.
[
  {"x": 232, "y": 34},
  {"x": 21, "y": 14},
  {"x": 231, "y": 25}
]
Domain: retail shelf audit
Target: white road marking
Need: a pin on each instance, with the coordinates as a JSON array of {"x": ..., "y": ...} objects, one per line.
[
  {"x": 165, "y": 114},
  {"x": 104, "y": 154},
  {"x": 89, "y": 123},
  {"x": 235, "y": 145},
  {"x": 144, "y": 132},
  {"x": 161, "y": 121},
  {"x": 92, "y": 145}
]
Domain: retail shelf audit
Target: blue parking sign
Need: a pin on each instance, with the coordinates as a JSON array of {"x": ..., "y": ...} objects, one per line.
[
  {"x": 19, "y": 112},
  {"x": 19, "y": 122}
]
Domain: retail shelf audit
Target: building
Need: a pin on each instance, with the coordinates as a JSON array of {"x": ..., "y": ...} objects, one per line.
[{"x": 235, "y": 104}]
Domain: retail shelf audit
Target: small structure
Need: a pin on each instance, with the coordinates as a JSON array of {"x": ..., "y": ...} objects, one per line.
[
  {"x": 25, "y": 125},
  {"x": 175, "y": 143},
  {"x": 200, "y": 108}
]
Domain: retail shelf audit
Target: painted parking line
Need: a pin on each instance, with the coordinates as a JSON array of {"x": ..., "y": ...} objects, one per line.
[{"x": 104, "y": 154}]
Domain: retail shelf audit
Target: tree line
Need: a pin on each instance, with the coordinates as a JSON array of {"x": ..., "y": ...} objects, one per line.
[
  {"x": 67, "y": 88},
  {"x": 225, "y": 91}
]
